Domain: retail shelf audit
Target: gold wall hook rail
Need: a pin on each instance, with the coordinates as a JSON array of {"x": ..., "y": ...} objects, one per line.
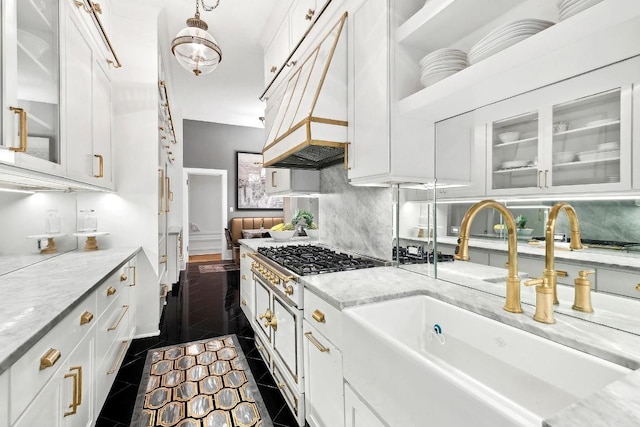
[{"x": 94, "y": 9}]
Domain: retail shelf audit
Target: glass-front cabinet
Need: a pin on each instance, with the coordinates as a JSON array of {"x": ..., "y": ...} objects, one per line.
[
  {"x": 573, "y": 136},
  {"x": 31, "y": 83}
]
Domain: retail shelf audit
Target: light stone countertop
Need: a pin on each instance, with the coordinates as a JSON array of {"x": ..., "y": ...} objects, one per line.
[
  {"x": 41, "y": 295},
  {"x": 174, "y": 229},
  {"x": 11, "y": 263},
  {"x": 351, "y": 288},
  {"x": 603, "y": 257}
]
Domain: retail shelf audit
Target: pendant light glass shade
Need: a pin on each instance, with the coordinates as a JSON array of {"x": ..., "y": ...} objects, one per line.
[{"x": 195, "y": 49}]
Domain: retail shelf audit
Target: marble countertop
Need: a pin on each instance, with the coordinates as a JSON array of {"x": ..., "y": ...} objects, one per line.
[
  {"x": 619, "y": 401},
  {"x": 174, "y": 229},
  {"x": 41, "y": 295},
  {"x": 603, "y": 257}
]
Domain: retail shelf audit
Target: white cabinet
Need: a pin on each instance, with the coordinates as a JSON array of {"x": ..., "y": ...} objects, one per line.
[
  {"x": 174, "y": 255},
  {"x": 246, "y": 283},
  {"x": 88, "y": 108},
  {"x": 573, "y": 136},
  {"x": 31, "y": 84},
  {"x": 301, "y": 15},
  {"x": 384, "y": 147},
  {"x": 292, "y": 181},
  {"x": 323, "y": 383},
  {"x": 357, "y": 413},
  {"x": 4, "y": 399},
  {"x": 277, "y": 52},
  {"x": 618, "y": 282}
]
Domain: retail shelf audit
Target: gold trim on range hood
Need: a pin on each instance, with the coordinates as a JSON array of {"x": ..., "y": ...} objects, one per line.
[{"x": 302, "y": 137}]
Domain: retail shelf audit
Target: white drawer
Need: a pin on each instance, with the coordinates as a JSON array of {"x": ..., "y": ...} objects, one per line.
[
  {"x": 26, "y": 377},
  {"x": 112, "y": 287},
  {"x": 294, "y": 400},
  {"x": 324, "y": 317},
  {"x": 262, "y": 349},
  {"x": 107, "y": 370},
  {"x": 619, "y": 282},
  {"x": 113, "y": 326}
]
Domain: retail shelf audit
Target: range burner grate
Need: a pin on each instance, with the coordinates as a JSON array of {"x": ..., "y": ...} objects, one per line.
[{"x": 309, "y": 259}]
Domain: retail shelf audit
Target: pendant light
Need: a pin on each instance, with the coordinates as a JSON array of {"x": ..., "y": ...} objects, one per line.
[{"x": 195, "y": 49}]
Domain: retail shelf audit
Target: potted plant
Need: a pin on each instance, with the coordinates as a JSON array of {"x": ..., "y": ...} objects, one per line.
[
  {"x": 304, "y": 219},
  {"x": 521, "y": 226}
]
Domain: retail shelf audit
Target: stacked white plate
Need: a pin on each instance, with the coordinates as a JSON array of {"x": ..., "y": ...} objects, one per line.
[
  {"x": 568, "y": 8},
  {"x": 441, "y": 64},
  {"x": 505, "y": 36}
]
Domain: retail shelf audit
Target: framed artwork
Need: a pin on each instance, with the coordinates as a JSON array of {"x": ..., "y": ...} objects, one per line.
[{"x": 251, "y": 189}]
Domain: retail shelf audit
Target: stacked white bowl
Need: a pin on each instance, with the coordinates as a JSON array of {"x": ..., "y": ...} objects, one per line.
[
  {"x": 505, "y": 36},
  {"x": 441, "y": 64},
  {"x": 568, "y": 8}
]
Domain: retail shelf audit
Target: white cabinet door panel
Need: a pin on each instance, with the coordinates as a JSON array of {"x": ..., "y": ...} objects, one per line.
[
  {"x": 357, "y": 413},
  {"x": 285, "y": 337}
]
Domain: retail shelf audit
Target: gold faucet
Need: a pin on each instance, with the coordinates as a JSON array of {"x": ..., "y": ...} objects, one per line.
[
  {"x": 512, "y": 303},
  {"x": 544, "y": 300},
  {"x": 549, "y": 264}
]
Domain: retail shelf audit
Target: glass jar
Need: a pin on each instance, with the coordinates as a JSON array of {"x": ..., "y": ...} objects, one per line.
[
  {"x": 88, "y": 221},
  {"x": 52, "y": 225}
]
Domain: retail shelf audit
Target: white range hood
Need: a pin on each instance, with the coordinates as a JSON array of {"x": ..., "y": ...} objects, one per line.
[{"x": 310, "y": 128}]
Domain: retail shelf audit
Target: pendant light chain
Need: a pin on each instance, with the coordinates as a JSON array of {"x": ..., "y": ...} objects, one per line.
[{"x": 207, "y": 8}]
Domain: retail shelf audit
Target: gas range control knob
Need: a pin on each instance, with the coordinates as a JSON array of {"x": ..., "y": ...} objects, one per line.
[{"x": 288, "y": 290}]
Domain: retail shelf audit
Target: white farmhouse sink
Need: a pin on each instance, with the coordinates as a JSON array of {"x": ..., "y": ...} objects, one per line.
[{"x": 477, "y": 371}]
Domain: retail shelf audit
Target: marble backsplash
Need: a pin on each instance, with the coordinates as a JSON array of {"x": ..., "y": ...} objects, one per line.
[
  {"x": 617, "y": 220},
  {"x": 355, "y": 218}
]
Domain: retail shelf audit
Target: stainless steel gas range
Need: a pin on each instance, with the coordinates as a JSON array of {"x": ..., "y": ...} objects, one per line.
[{"x": 278, "y": 308}]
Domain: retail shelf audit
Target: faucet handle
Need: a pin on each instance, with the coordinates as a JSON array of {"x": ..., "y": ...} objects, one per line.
[
  {"x": 544, "y": 300},
  {"x": 582, "y": 298}
]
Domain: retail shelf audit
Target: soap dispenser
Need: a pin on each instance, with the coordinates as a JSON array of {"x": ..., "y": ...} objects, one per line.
[
  {"x": 544, "y": 300},
  {"x": 582, "y": 300}
]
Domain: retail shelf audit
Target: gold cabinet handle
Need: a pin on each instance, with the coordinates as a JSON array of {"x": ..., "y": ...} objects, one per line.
[
  {"x": 169, "y": 194},
  {"x": 316, "y": 343},
  {"x": 244, "y": 301},
  {"x": 86, "y": 317},
  {"x": 92, "y": 7},
  {"x": 309, "y": 15},
  {"x": 123, "y": 277},
  {"x": 76, "y": 390},
  {"x": 23, "y": 129},
  {"x": 291, "y": 63},
  {"x": 274, "y": 178},
  {"x": 163, "y": 260},
  {"x": 133, "y": 282},
  {"x": 49, "y": 359},
  {"x": 562, "y": 273},
  {"x": 161, "y": 206},
  {"x": 125, "y": 308},
  {"x": 267, "y": 315},
  {"x": 273, "y": 322},
  {"x": 244, "y": 277},
  {"x": 318, "y": 316},
  {"x": 120, "y": 358},
  {"x": 111, "y": 291},
  {"x": 288, "y": 289},
  {"x": 638, "y": 287},
  {"x": 100, "y": 167},
  {"x": 165, "y": 291}
]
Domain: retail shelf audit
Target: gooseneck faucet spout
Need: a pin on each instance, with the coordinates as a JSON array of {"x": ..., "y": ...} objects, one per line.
[
  {"x": 512, "y": 303},
  {"x": 549, "y": 264}
]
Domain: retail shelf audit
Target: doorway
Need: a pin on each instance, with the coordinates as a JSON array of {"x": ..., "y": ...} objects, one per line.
[{"x": 205, "y": 214}]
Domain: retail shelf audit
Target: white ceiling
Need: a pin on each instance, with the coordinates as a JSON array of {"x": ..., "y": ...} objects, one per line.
[{"x": 230, "y": 93}]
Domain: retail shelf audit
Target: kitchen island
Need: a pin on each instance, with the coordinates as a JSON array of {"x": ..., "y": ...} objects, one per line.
[{"x": 618, "y": 402}]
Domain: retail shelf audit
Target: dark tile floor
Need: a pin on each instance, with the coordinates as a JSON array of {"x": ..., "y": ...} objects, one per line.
[{"x": 199, "y": 306}]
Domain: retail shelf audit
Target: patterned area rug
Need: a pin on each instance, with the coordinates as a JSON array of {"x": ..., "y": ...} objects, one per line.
[
  {"x": 204, "y": 383},
  {"x": 217, "y": 268}
]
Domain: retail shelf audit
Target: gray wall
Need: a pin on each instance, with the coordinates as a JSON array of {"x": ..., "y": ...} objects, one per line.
[{"x": 214, "y": 146}]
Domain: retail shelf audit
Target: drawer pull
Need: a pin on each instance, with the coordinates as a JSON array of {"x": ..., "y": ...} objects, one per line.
[
  {"x": 133, "y": 283},
  {"x": 244, "y": 255},
  {"x": 111, "y": 291},
  {"x": 318, "y": 316},
  {"x": 120, "y": 358},
  {"x": 638, "y": 287},
  {"x": 49, "y": 359},
  {"x": 315, "y": 342},
  {"x": 562, "y": 273},
  {"x": 244, "y": 301},
  {"x": 125, "y": 308},
  {"x": 86, "y": 317},
  {"x": 244, "y": 277},
  {"x": 281, "y": 385},
  {"x": 77, "y": 390},
  {"x": 165, "y": 291},
  {"x": 123, "y": 278}
]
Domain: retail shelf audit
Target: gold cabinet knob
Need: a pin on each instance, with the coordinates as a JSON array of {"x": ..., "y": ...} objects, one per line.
[
  {"x": 273, "y": 69},
  {"x": 123, "y": 278},
  {"x": 288, "y": 289},
  {"x": 318, "y": 316},
  {"x": 111, "y": 291},
  {"x": 244, "y": 277},
  {"x": 244, "y": 301},
  {"x": 86, "y": 317},
  {"x": 638, "y": 287},
  {"x": 281, "y": 385},
  {"x": 244, "y": 255},
  {"x": 273, "y": 322},
  {"x": 309, "y": 15},
  {"x": 49, "y": 359}
]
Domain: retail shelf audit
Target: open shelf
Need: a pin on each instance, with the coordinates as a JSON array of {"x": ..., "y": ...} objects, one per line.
[
  {"x": 517, "y": 170},
  {"x": 586, "y": 162},
  {"x": 584, "y": 42},
  {"x": 588, "y": 128},
  {"x": 520, "y": 141}
]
